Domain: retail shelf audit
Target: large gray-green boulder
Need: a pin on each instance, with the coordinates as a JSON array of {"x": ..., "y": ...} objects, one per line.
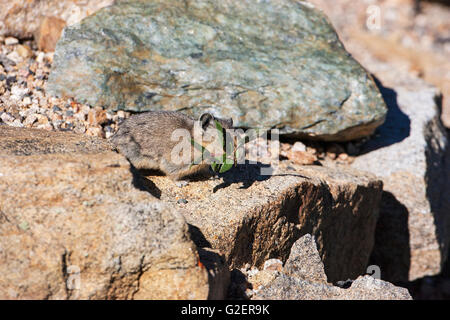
[{"x": 264, "y": 63}]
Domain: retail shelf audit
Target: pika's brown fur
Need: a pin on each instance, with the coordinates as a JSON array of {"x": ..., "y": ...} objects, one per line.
[{"x": 146, "y": 140}]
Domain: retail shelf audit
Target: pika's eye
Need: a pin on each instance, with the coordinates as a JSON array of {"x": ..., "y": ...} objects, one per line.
[{"x": 205, "y": 120}]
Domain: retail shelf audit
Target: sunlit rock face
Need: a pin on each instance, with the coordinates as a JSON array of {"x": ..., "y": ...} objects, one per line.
[{"x": 266, "y": 64}]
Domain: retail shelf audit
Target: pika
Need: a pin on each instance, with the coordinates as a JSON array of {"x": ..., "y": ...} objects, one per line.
[{"x": 151, "y": 140}]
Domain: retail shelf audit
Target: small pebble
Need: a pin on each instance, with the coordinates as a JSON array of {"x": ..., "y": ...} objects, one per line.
[
  {"x": 15, "y": 57},
  {"x": 18, "y": 91},
  {"x": 182, "y": 201},
  {"x": 249, "y": 293},
  {"x": 10, "y": 80},
  {"x": 9, "y": 41},
  {"x": 46, "y": 126},
  {"x": 298, "y": 146},
  {"x": 109, "y": 131},
  {"x": 40, "y": 57},
  {"x": 56, "y": 109},
  {"x": 30, "y": 120},
  {"x": 26, "y": 101},
  {"x": 273, "y": 264},
  {"x": 181, "y": 183},
  {"x": 17, "y": 123},
  {"x": 343, "y": 156},
  {"x": 6, "y": 117},
  {"x": 79, "y": 128},
  {"x": 253, "y": 271},
  {"x": 24, "y": 51},
  {"x": 95, "y": 132}
]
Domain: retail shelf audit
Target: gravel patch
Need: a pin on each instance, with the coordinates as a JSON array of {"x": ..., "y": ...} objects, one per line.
[{"x": 24, "y": 102}]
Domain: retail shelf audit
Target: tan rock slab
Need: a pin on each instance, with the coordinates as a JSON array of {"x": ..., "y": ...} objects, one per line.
[
  {"x": 252, "y": 218},
  {"x": 73, "y": 225}
]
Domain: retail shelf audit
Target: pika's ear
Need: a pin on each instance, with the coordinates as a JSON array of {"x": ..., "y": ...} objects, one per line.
[{"x": 205, "y": 120}]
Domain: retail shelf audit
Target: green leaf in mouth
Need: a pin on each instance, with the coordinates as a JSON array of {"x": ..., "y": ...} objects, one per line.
[{"x": 220, "y": 163}]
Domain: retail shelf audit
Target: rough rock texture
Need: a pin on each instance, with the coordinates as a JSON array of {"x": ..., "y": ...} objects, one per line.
[
  {"x": 285, "y": 287},
  {"x": 252, "y": 218},
  {"x": 408, "y": 153},
  {"x": 265, "y": 64},
  {"x": 22, "y": 19},
  {"x": 73, "y": 226},
  {"x": 408, "y": 150},
  {"x": 304, "y": 261},
  {"x": 303, "y": 278}
]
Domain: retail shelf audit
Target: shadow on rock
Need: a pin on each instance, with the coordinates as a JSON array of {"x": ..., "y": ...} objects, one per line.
[
  {"x": 396, "y": 127},
  {"x": 142, "y": 183},
  {"x": 238, "y": 285},
  {"x": 392, "y": 239},
  {"x": 438, "y": 183},
  {"x": 247, "y": 173},
  {"x": 198, "y": 237}
]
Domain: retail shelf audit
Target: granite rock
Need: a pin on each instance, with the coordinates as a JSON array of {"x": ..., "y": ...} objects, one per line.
[
  {"x": 304, "y": 261},
  {"x": 303, "y": 278},
  {"x": 73, "y": 225},
  {"x": 252, "y": 218},
  {"x": 410, "y": 153},
  {"x": 286, "y": 287},
  {"x": 276, "y": 64}
]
